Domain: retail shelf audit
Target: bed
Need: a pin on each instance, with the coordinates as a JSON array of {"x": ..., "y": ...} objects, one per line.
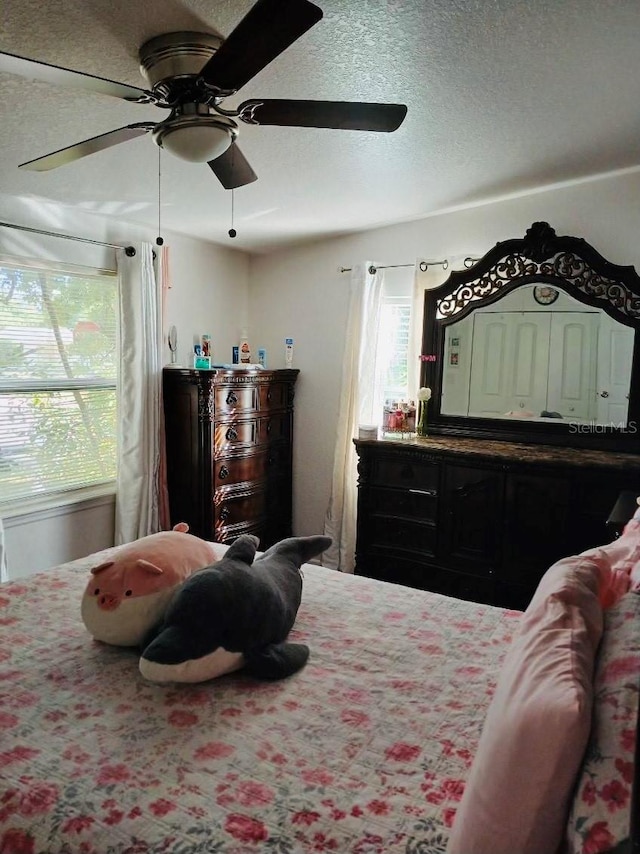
[{"x": 367, "y": 749}]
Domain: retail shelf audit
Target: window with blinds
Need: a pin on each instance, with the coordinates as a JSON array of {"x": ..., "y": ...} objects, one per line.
[
  {"x": 392, "y": 351},
  {"x": 58, "y": 363},
  {"x": 393, "y": 344}
]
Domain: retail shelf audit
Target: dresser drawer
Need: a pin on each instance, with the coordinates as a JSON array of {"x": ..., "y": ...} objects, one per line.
[
  {"x": 227, "y": 534},
  {"x": 412, "y": 503},
  {"x": 237, "y": 435},
  {"x": 236, "y": 509},
  {"x": 279, "y": 460},
  {"x": 462, "y": 585},
  {"x": 232, "y": 470},
  {"x": 404, "y": 535},
  {"x": 400, "y": 472},
  {"x": 266, "y": 463},
  {"x": 274, "y": 427},
  {"x": 386, "y": 566},
  {"x": 273, "y": 396},
  {"x": 230, "y": 399}
]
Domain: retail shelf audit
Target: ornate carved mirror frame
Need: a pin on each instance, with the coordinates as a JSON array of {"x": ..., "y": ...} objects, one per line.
[{"x": 541, "y": 257}]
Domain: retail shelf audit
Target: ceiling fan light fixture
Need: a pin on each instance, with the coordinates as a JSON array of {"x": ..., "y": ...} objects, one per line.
[
  {"x": 197, "y": 144},
  {"x": 195, "y": 138}
]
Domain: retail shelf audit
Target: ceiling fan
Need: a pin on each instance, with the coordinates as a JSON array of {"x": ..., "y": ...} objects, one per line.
[{"x": 191, "y": 74}]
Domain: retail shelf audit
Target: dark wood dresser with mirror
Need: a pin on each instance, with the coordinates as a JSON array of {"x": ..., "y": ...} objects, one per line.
[
  {"x": 229, "y": 439},
  {"x": 533, "y": 359}
]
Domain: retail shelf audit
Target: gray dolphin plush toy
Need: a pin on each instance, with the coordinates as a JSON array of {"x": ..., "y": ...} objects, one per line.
[{"x": 234, "y": 614}]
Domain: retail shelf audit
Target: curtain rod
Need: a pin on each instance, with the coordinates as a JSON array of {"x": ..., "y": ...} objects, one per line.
[
  {"x": 128, "y": 249},
  {"x": 424, "y": 265}
]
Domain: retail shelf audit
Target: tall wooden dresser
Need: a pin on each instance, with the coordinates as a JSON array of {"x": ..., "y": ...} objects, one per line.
[{"x": 229, "y": 437}]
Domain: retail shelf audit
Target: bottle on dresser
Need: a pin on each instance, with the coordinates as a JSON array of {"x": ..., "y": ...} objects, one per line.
[{"x": 245, "y": 349}]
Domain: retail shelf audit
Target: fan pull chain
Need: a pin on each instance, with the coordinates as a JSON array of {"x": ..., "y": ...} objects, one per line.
[
  {"x": 232, "y": 231},
  {"x": 159, "y": 240}
]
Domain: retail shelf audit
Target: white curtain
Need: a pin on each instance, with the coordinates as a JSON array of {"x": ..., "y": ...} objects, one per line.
[
  {"x": 433, "y": 276},
  {"x": 356, "y": 407},
  {"x": 138, "y": 484}
]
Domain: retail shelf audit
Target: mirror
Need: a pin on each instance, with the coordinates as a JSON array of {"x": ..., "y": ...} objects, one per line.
[
  {"x": 538, "y": 353},
  {"x": 536, "y": 342}
]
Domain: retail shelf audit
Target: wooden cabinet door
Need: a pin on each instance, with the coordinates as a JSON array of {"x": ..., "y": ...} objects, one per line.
[
  {"x": 471, "y": 510},
  {"x": 536, "y": 526},
  {"x": 593, "y": 499}
]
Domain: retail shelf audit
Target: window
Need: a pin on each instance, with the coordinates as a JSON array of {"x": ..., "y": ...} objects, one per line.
[
  {"x": 393, "y": 348},
  {"x": 391, "y": 380},
  {"x": 58, "y": 363}
]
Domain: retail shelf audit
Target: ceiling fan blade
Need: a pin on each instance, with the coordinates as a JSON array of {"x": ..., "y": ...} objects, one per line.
[
  {"x": 268, "y": 29},
  {"x": 345, "y": 115},
  {"x": 87, "y": 146},
  {"x": 232, "y": 168},
  {"x": 12, "y": 64}
]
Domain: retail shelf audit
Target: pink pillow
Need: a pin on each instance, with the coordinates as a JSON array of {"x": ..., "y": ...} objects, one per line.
[
  {"x": 614, "y": 573},
  {"x": 600, "y": 814},
  {"x": 620, "y": 562},
  {"x": 517, "y": 796}
]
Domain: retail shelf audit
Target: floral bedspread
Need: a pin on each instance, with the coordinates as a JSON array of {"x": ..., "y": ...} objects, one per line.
[{"x": 365, "y": 750}]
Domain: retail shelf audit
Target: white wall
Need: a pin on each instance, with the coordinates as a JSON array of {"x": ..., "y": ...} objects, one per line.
[
  {"x": 301, "y": 293},
  {"x": 44, "y": 538},
  {"x": 208, "y": 294}
]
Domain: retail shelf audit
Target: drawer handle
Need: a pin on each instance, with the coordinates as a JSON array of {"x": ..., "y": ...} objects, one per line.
[
  {"x": 232, "y": 397},
  {"x": 224, "y": 514},
  {"x": 431, "y": 492},
  {"x": 268, "y": 426},
  {"x": 232, "y": 434},
  {"x": 224, "y": 472},
  {"x": 269, "y": 395}
]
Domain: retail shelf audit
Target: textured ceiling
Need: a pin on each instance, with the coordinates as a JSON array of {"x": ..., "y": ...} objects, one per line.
[{"x": 503, "y": 96}]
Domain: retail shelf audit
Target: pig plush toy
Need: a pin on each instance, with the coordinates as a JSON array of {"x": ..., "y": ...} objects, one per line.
[{"x": 127, "y": 595}]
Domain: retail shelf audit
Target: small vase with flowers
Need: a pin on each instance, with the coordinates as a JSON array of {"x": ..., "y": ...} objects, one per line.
[{"x": 424, "y": 396}]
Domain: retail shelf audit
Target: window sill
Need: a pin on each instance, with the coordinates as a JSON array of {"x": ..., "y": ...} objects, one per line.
[{"x": 52, "y": 505}]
